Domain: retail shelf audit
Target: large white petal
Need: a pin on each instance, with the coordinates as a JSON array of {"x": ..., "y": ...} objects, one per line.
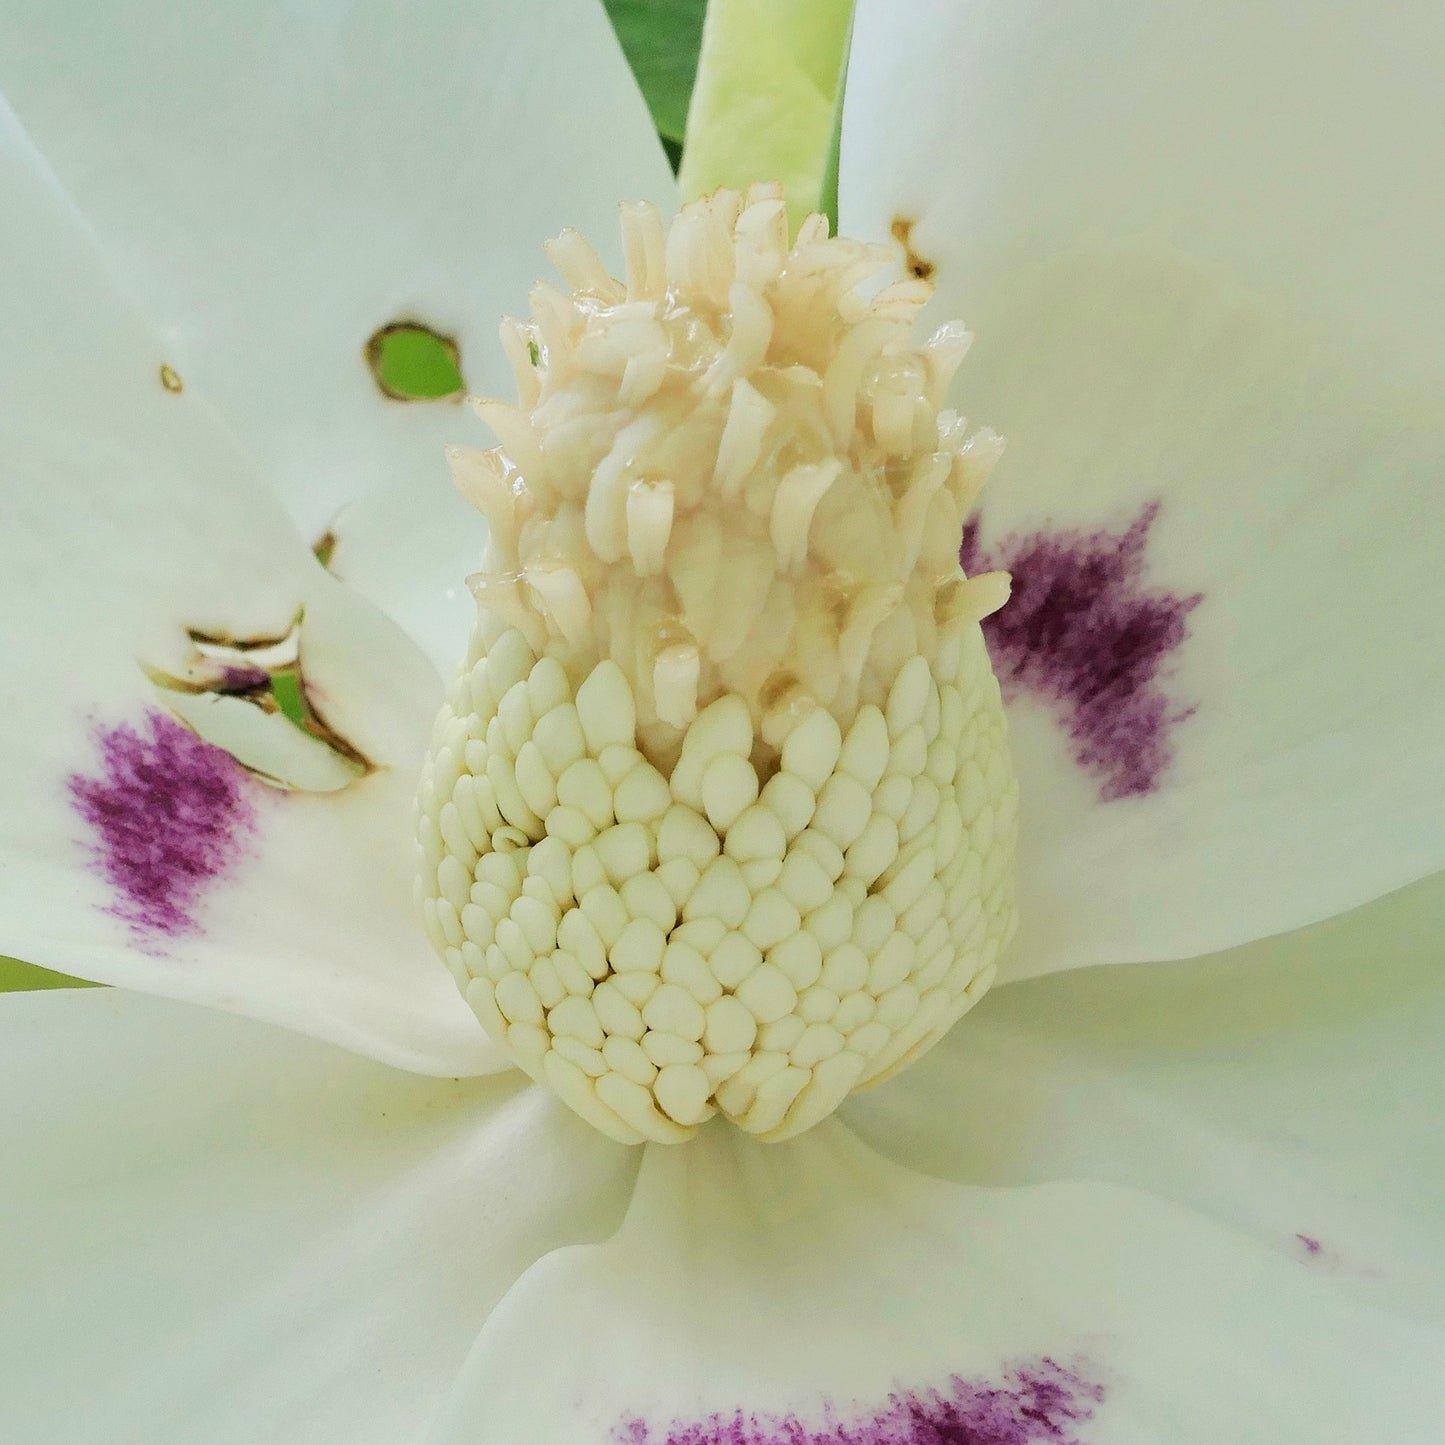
[
  {"x": 214, "y": 1231},
  {"x": 413, "y": 561},
  {"x": 1291, "y": 1089},
  {"x": 130, "y": 852},
  {"x": 1203, "y": 267},
  {"x": 752, "y": 1290},
  {"x": 274, "y": 182}
]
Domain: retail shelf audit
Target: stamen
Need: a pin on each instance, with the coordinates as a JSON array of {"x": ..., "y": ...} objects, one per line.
[{"x": 719, "y": 816}]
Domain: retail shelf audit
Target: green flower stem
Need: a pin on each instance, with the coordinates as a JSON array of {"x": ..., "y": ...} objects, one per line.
[
  {"x": 661, "y": 39},
  {"x": 765, "y": 104}
]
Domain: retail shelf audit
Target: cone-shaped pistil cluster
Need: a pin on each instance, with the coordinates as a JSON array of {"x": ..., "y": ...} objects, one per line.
[{"x": 720, "y": 814}]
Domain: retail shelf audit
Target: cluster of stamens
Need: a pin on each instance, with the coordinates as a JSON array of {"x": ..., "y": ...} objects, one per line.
[{"x": 720, "y": 815}]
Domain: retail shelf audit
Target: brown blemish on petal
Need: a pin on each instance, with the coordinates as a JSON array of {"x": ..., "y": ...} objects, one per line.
[
  {"x": 171, "y": 379},
  {"x": 210, "y": 637},
  {"x": 266, "y": 672},
  {"x": 918, "y": 266},
  {"x": 304, "y": 710}
]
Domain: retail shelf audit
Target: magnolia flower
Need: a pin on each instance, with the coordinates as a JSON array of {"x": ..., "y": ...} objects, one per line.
[{"x": 1166, "y": 1200}]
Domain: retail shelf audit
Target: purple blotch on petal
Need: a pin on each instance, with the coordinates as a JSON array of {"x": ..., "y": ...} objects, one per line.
[
  {"x": 242, "y": 679},
  {"x": 1040, "y": 1403},
  {"x": 169, "y": 813},
  {"x": 1085, "y": 632}
]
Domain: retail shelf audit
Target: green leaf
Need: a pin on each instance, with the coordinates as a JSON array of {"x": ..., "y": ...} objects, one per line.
[
  {"x": 661, "y": 39},
  {"x": 16, "y": 977},
  {"x": 766, "y": 96}
]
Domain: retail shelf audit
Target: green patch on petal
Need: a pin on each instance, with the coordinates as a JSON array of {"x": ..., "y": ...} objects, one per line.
[
  {"x": 661, "y": 39},
  {"x": 411, "y": 362},
  {"x": 248, "y": 697},
  {"x": 286, "y": 689},
  {"x": 18, "y": 977},
  {"x": 763, "y": 108}
]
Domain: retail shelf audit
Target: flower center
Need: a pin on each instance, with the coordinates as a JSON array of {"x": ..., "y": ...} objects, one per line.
[{"x": 720, "y": 814}]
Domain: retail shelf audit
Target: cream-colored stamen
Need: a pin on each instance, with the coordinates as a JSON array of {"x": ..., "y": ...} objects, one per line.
[{"x": 720, "y": 814}]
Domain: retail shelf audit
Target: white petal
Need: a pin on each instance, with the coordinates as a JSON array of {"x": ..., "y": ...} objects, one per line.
[
  {"x": 275, "y": 183},
  {"x": 267, "y": 743},
  {"x": 1204, "y": 276},
  {"x": 214, "y": 1231},
  {"x": 413, "y": 562},
  {"x": 1290, "y": 1089},
  {"x": 753, "y": 1287},
  {"x": 130, "y": 852}
]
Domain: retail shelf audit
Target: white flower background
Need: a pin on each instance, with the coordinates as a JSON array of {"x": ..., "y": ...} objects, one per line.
[{"x": 276, "y": 1186}]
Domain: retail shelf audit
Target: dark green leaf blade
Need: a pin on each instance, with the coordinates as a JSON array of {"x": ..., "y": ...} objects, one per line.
[{"x": 661, "y": 39}]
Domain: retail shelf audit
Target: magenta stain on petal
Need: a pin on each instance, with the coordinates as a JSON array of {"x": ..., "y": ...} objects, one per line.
[
  {"x": 1322, "y": 1256},
  {"x": 1085, "y": 632},
  {"x": 243, "y": 679},
  {"x": 170, "y": 813},
  {"x": 1041, "y": 1403}
]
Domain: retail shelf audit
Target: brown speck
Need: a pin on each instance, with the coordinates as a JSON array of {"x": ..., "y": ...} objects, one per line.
[
  {"x": 214, "y": 637},
  {"x": 268, "y": 673},
  {"x": 918, "y": 266},
  {"x": 325, "y": 547},
  {"x": 171, "y": 379}
]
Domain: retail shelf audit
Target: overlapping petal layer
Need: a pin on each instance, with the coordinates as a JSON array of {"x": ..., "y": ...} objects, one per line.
[
  {"x": 1205, "y": 280},
  {"x": 812, "y": 1292},
  {"x": 132, "y": 851},
  {"x": 216, "y": 1231},
  {"x": 275, "y": 183},
  {"x": 1290, "y": 1089}
]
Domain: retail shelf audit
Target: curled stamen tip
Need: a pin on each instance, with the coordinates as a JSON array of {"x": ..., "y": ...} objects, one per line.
[
  {"x": 674, "y": 683},
  {"x": 469, "y": 463},
  {"x": 984, "y": 447},
  {"x": 994, "y": 590},
  {"x": 964, "y": 601},
  {"x": 563, "y": 598},
  {"x": 649, "y": 525}
]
